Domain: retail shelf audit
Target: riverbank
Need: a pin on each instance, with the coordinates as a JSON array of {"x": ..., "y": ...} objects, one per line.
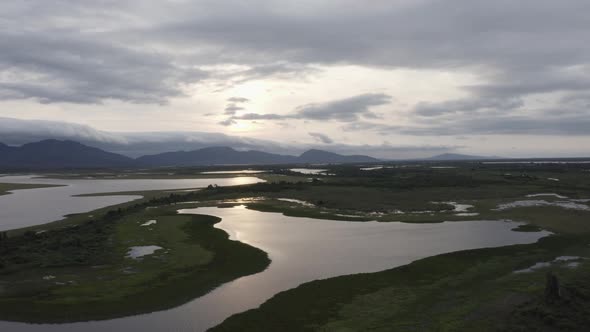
[
  {"x": 6, "y": 188},
  {"x": 83, "y": 271},
  {"x": 64, "y": 266},
  {"x": 497, "y": 289}
]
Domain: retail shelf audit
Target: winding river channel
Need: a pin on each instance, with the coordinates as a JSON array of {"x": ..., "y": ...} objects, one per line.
[{"x": 301, "y": 250}]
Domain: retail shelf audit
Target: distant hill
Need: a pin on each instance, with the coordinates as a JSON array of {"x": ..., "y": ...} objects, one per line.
[
  {"x": 213, "y": 156},
  {"x": 457, "y": 156},
  {"x": 229, "y": 156},
  {"x": 54, "y": 154},
  {"x": 320, "y": 157}
]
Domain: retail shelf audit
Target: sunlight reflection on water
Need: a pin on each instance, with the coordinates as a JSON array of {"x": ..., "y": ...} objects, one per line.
[{"x": 302, "y": 250}]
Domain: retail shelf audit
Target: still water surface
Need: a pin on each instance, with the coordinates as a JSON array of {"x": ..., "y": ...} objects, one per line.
[
  {"x": 302, "y": 250},
  {"x": 31, "y": 207}
]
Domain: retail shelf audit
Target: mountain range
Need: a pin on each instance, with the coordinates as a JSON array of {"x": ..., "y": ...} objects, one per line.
[
  {"x": 53, "y": 154},
  {"x": 56, "y": 154},
  {"x": 457, "y": 156}
]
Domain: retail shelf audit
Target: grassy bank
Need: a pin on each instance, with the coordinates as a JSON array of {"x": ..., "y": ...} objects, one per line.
[
  {"x": 77, "y": 269},
  {"x": 463, "y": 291},
  {"x": 82, "y": 272},
  {"x": 5, "y": 188},
  {"x": 496, "y": 289}
]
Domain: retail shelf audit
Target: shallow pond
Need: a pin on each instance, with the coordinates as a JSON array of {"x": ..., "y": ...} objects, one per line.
[
  {"x": 310, "y": 171},
  {"x": 302, "y": 250},
  {"x": 140, "y": 251},
  {"x": 29, "y": 207}
]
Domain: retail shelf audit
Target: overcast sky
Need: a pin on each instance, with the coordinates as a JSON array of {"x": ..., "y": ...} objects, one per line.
[{"x": 394, "y": 78}]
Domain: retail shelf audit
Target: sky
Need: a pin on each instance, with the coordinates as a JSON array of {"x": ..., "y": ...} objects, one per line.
[{"x": 387, "y": 78}]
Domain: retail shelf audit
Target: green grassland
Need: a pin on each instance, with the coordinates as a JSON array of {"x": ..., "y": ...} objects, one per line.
[
  {"x": 474, "y": 290},
  {"x": 463, "y": 291},
  {"x": 82, "y": 271}
]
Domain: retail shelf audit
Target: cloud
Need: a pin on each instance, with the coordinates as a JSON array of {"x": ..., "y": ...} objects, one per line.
[
  {"x": 256, "y": 116},
  {"x": 321, "y": 138},
  {"x": 401, "y": 34},
  {"x": 346, "y": 110},
  {"x": 277, "y": 70},
  {"x": 548, "y": 122},
  {"x": 465, "y": 105},
  {"x": 86, "y": 69},
  {"x": 514, "y": 51},
  {"x": 231, "y": 109},
  {"x": 17, "y": 132},
  {"x": 238, "y": 100},
  {"x": 64, "y": 51},
  {"x": 343, "y": 110},
  {"x": 227, "y": 122}
]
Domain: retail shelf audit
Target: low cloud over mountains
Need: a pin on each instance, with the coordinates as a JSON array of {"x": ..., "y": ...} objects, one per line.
[{"x": 17, "y": 132}]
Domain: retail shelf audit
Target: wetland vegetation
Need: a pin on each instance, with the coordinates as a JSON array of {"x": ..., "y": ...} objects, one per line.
[
  {"x": 82, "y": 271},
  {"x": 47, "y": 271}
]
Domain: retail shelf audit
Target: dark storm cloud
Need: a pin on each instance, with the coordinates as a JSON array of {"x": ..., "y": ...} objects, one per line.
[
  {"x": 344, "y": 110},
  {"x": 322, "y": 138}
]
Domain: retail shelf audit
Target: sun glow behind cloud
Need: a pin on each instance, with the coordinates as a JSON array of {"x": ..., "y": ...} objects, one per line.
[{"x": 470, "y": 76}]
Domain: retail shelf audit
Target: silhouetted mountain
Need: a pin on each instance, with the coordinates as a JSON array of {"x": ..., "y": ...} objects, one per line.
[
  {"x": 320, "y": 157},
  {"x": 53, "y": 154},
  {"x": 213, "y": 156},
  {"x": 229, "y": 156},
  {"x": 457, "y": 156}
]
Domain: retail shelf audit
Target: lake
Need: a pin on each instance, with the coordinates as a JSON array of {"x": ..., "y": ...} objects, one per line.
[
  {"x": 302, "y": 250},
  {"x": 32, "y": 207}
]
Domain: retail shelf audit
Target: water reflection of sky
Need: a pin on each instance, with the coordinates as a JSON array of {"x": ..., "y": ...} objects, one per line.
[
  {"x": 302, "y": 250},
  {"x": 31, "y": 207}
]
